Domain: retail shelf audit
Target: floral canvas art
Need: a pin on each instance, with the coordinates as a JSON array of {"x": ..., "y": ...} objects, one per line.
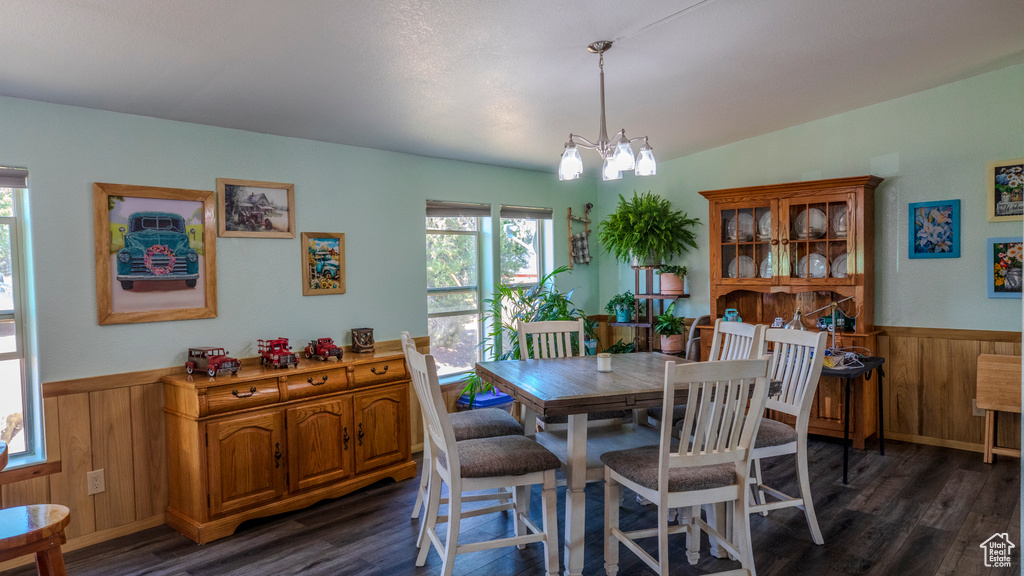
[
  {"x": 1004, "y": 265},
  {"x": 1006, "y": 190},
  {"x": 935, "y": 229}
]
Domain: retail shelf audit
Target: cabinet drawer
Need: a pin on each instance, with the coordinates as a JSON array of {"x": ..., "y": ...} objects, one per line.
[
  {"x": 378, "y": 372},
  {"x": 239, "y": 395},
  {"x": 330, "y": 379}
]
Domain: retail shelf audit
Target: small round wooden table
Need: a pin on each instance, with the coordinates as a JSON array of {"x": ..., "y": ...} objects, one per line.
[{"x": 36, "y": 529}]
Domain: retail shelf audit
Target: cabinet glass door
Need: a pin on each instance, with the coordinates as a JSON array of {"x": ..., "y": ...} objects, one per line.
[
  {"x": 817, "y": 240},
  {"x": 744, "y": 235}
]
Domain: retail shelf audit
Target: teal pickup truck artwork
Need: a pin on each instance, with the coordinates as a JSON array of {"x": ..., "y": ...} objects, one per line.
[{"x": 156, "y": 248}]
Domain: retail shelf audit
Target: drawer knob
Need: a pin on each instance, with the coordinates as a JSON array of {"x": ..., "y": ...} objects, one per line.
[
  {"x": 320, "y": 383},
  {"x": 382, "y": 372},
  {"x": 252, "y": 390}
]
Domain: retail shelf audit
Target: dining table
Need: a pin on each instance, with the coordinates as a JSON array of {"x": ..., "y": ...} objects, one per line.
[{"x": 573, "y": 387}]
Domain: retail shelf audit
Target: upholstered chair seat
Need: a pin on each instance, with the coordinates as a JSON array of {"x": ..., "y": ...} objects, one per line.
[
  {"x": 640, "y": 465},
  {"x": 502, "y": 456},
  {"x": 484, "y": 423},
  {"x": 774, "y": 433}
]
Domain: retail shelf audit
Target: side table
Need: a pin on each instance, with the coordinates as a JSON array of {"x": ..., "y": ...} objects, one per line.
[{"x": 847, "y": 374}]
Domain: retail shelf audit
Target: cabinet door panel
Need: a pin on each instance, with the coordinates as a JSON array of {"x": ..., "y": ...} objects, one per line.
[
  {"x": 245, "y": 461},
  {"x": 817, "y": 231},
  {"x": 382, "y": 427},
  {"x": 320, "y": 442}
]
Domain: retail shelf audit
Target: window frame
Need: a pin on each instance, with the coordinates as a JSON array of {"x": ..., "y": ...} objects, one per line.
[
  {"x": 475, "y": 290},
  {"x": 538, "y": 246}
]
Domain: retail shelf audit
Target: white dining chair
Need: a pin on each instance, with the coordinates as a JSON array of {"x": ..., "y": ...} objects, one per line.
[
  {"x": 554, "y": 339},
  {"x": 796, "y": 361},
  {"x": 710, "y": 465},
  {"x": 481, "y": 423},
  {"x": 481, "y": 464}
]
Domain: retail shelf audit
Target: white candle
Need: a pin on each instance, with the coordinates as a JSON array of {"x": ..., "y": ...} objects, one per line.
[{"x": 604, "y": 362}]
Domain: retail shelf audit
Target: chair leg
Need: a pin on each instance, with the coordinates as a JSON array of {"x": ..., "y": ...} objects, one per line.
[
  {"x": 611, "y": 521},
  {"x": 758, "y": 493},
  {"x": 805, "y": 491},
  {"x": 425, "y": 467},
  {"x": 685, "y": 517},
  {"x": 426, "y": 506},
  {"x": 50, "y": 562},
  {"x": 549, "y": 507},
  {"x": 663, "y": 538},
  {"x": 433, "y": 502},
  {"x": 718, "y": 519},
  {"x": 451, "y": 543},
  {"x": 522, "y": 508},
  {"x": 741, "y": 532}
]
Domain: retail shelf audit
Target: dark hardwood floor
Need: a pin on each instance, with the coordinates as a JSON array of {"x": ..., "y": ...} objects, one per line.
[{"x": 918, "y": 510}]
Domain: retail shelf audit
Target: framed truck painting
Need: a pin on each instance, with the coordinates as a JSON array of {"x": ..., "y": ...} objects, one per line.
[
  {"x": 252, "y": 209},
  {"x": 1005, "y": 190},
  {"x": 323, "y": 257},
  {"x": 155, "y": 254},
  {"x": 1004, "y": 267},
  {"x": 935, "y": 229}
]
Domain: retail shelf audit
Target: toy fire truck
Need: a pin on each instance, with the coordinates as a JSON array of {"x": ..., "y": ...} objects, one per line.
[{"x": 276, "y": 353}]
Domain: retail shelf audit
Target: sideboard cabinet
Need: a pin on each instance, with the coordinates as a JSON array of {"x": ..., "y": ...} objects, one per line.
[
  {"x": 780, "y": 248},
  {"x": 268, "y": 441}
]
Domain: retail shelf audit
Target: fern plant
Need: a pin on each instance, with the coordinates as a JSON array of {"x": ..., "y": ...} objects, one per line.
[{"x": 646, "y": 228}]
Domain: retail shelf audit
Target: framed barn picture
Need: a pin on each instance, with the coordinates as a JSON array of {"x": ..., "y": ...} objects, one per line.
[
  {"x": 155, "y": 254},
  {"x": 934, "y": 229},
  {"x": 1005, "y": 190},
  {"x": 323, "y": 258},
  {"x": 1004, "y": 267},
  {"x": 252, "y": 209}
]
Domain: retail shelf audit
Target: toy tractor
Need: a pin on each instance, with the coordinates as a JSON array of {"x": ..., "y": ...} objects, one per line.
[{"x": 322, "y": 349}]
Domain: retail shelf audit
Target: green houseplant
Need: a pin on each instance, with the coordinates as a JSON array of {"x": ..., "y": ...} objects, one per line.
[
  {"x": 670, "y": 327},
  {"x": 529, "y": 304},
  {"x": 646, "y": 230},
  {"x": 621, "y": 305},
  {"x": 672, "y": 280}
]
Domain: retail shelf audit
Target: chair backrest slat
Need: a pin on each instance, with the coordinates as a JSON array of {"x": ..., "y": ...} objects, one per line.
[
  {"x": 549, "y": 339},
  {"x": 423, "y": 373},
  {"x": 721, "y": 413},
  {"x": 736, "y": 341},
  {"x": 796, "y": 361}
]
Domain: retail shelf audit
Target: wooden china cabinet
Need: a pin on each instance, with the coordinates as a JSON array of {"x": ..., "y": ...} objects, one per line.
[
  {"x": 268, "y": 441},
  {"x": 779, "y": 248}
]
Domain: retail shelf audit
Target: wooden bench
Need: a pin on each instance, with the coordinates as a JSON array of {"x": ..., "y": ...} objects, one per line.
[{"x": 998, "y": 390}]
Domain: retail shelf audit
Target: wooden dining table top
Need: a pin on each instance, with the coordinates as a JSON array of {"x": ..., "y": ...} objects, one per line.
[{"x": 558, "y": 386}]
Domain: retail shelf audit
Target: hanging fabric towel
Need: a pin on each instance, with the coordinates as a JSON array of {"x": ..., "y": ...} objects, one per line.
[{"x": 580, "y": 248}]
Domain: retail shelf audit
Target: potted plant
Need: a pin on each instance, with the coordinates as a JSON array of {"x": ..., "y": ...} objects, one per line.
[
  {"x": 646, "y": 230},
  {"x": 529, "y": 304},
  {"x": 670, "y": 327},
  {"x": 672, "y": 280},
  {"x": 621, "y": 305}
]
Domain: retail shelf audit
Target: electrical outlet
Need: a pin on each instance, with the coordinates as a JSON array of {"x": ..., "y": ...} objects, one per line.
[
  {"x": 975, "y": 411},
  {"x": 95, "y": 481}
]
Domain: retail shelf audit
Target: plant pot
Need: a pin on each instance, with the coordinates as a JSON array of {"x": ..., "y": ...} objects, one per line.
[
  {"x": 672, "y": 285},
  {"x": 672, "y": 344},
  {"x": 623, "y": 315}
]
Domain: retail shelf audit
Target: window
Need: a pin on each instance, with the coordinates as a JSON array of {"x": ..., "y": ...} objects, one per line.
[
  {"x": 20, "y": 423},
  {"x": 522, "y": 237},
  {"x": 453, "y": 283}
]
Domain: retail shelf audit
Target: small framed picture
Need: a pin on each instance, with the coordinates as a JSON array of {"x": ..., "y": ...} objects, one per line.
[
  {"x": 934, "y": 229},
  {"x": 1004, "y": 267},
  {"x": 323, "y": 257},
  {"x": 1005, "y": 190},
  {"x": 251, "y": 209},
  {"x": 155, "y": 254}
]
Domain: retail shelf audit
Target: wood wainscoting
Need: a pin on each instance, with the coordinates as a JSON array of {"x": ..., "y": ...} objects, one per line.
[{"x": 114, "y": 423}]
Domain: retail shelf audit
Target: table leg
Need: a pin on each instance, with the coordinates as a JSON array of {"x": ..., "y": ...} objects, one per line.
[
  {"x": 881, "y": 415},
  {"x": 529, "y": 422},
  {"x": 846, "y": 429},
  {"x": 575, "y": 496}
]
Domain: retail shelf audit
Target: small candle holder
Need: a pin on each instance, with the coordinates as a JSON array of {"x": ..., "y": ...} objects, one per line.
[
  {"x": 604, "y": 362},
  {"x": 362, "y": 340}
]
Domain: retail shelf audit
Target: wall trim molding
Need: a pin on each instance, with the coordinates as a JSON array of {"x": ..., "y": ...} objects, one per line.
[
  {"x": 143, "y": 377},
  {"x": 950, "y": 333}
]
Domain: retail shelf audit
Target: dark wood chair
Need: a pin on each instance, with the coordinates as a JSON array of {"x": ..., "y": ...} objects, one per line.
[{"x": 37, "y": 529}]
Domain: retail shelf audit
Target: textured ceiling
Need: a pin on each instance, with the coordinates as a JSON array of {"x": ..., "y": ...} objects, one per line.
[{"x": 497, "y": 82}]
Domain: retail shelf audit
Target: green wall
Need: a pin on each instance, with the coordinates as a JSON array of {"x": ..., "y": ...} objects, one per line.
[
  {"x": 376, "y": 198},
  {"x": 933, "y": 145}
]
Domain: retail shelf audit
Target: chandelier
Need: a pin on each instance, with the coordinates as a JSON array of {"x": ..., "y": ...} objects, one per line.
[{"x": 616, "y": 152}]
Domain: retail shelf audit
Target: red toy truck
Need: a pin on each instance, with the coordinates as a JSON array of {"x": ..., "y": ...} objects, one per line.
[
  {"x": 276, "y": 353},
  {"x": 212, "y": 360},
  {"x": 322, "y": 349}
]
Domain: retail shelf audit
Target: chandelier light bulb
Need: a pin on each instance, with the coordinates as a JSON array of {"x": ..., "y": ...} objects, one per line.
[
  {"x": 645, "y": 164},
  {"x": 610, "y": 171},
  {"x": 623, "y": 158},
  {"x": 571, "y": 165}
]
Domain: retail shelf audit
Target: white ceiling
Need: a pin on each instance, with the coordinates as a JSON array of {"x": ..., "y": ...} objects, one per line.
[{"x": 497, "y": 82}]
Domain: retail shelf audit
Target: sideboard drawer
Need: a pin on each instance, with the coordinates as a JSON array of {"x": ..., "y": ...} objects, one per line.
[
  {"x": 378, "y": 372},
  {"x": 238, "y": 396},
  {"x": 325, "y": 381}
]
